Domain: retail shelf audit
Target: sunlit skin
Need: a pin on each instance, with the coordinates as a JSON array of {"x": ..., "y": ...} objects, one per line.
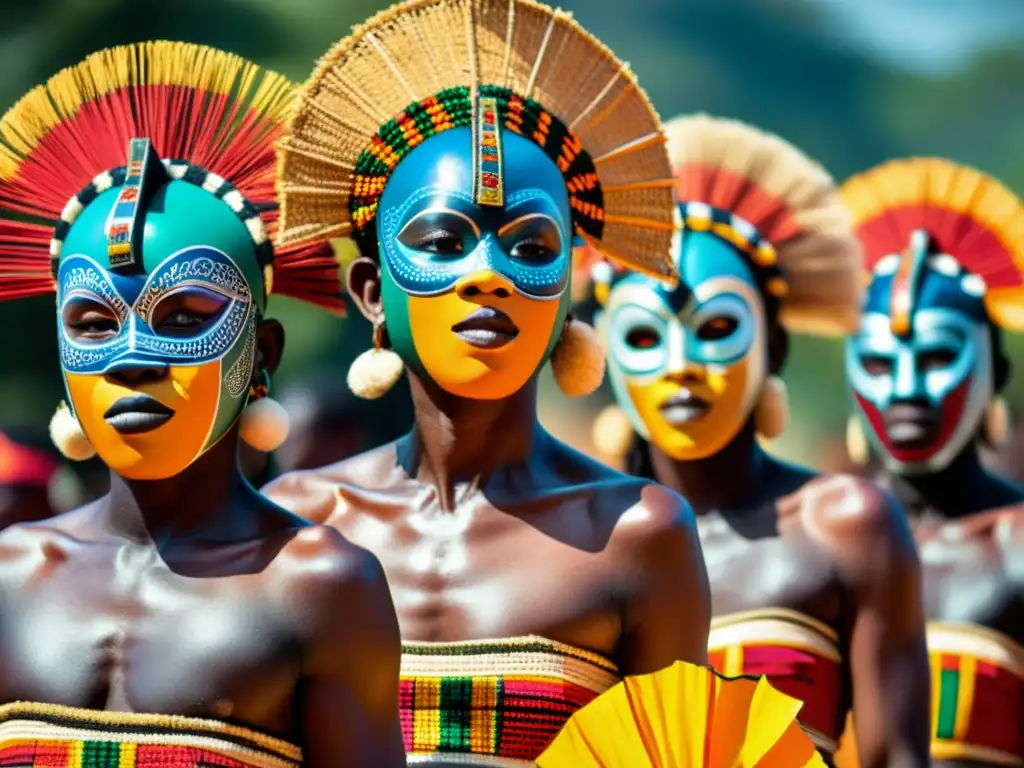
[
  {"x": 690, "y": 360},
  {"x": 447, "y": 258}
]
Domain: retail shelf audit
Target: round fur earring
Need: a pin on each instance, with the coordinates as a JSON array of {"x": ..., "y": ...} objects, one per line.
[
  {"x": 264, "y": 423},
  {"x": 376, "y": 370},
  {"x": 67, "y": 434},
  {"x": 578, "y": 359},
  {"x": 771, "y": 414},
  {"x": 996, "y": 427},
  {"x": 612, "y": 432},
  {"x": 857, "y": 442}
]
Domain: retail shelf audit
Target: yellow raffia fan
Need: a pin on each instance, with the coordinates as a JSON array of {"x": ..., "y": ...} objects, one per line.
[
  {"x": 968, "y": 215},
  {"x": 425, "y": 66},
  {"x": 685, "y": 716}
]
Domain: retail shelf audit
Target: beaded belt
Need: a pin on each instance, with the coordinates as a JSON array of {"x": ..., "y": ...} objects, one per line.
[
  {"x": 50, "y": 736},
  {"x": 977, "y": 694},
  {"x": 495, "y": 702},
  {"x": 798, "y": 654}
]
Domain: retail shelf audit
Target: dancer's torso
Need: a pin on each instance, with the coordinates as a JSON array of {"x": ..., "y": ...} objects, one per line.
[
  {"x": 776, "y": 601},
  {"x": 102, "y": 623},
  {"x": 505, "y": 593}
]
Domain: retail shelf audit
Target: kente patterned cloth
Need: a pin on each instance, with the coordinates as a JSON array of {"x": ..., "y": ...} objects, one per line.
[
  {"x": 49, "y": 736},
  {"x": 977, "y": 694},
  {"x": 493, "y": 702},
  {"x": 798, "y": 654}
]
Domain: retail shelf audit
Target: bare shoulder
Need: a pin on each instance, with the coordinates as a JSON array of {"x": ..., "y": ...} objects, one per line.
[
  {"x": 27, "y": 548},
  {"x": 313, "y": 493},
  {"x": 344, "y": 598},
  {"x": 321, "y": 562},
  {"x": 660, "y": 522},
  {"x": 857, "y": 522}
]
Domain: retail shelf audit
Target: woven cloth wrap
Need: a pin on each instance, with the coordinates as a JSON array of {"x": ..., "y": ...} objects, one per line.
[
  {"x": 50, "y": 736},
  {"x": 494, "y": 703}
]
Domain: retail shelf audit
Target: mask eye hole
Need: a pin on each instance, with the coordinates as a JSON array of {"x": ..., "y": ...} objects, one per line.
[
  {"x": 876, "y": 365},
  {"x": 441, "y": 233},
  {"x": 717, "y": 328},
  {"x": 935, "y": 359},
  {"x": 88, "y": 319},
  {"x": 187, "y": 312},
  {"x": 643, "y": 338}
]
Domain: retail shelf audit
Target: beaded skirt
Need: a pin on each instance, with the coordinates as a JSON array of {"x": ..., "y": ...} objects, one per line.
[
  {"x": 493, "y": 702},
  {"x": 798, "y": 654},
  {"x": 50, "y": 736},
  {"x": 977, "y": 694}
]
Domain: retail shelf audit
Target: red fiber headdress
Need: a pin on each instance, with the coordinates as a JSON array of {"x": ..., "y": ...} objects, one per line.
[
  {"x": 207, "y": 107},
  {"x": 967, "y": 214}
]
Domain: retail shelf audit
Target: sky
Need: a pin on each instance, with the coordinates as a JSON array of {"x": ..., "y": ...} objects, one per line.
[{"x": 930, "y": 37}]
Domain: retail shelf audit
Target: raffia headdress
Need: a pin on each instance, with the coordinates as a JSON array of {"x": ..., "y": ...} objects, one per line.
[
  {"x": 212, "y": 115},
  {"x": 426, "y": 66},
  {"x": 965, "y": 213}
]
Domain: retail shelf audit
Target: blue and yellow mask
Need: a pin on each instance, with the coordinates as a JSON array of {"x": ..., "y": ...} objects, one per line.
[
  {"x": 687, "y": 363},
  {"x": 160, "y": 291},
  {"x": 921, "y": 366},
  {"x": 475, "y": 292}
]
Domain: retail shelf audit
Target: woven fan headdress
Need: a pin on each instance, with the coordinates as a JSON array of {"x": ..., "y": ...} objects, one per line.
[
  {"x": 212, "y": 116},
  {"x": 426, "y": 66},
  {"x": 964, "y": 213},
  {"x": 778, "y": 207}
]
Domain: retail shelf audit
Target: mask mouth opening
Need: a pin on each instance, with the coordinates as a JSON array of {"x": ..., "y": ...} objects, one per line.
[{"x": 684, "y": 408}]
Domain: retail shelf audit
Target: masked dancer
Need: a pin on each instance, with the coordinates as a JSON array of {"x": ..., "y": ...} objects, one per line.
[
  {"x": 182, "y": 620},
  {"x": 814, "y": 580},
  {"x": 461, "y": 143},
  {"x": 944, "y": 249}
]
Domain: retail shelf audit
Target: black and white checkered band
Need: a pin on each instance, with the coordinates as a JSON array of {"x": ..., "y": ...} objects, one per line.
[
  {"x": 182, "y": 171},
  {"x": 726, "y": 225}
]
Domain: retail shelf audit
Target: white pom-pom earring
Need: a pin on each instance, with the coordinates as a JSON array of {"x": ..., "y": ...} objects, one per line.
[
  {"x": 376, "y": 370},
  {"x": 578, "y": 359},
  {"x": 69, "y": 437},
  {"x": 264, "y": 423}
]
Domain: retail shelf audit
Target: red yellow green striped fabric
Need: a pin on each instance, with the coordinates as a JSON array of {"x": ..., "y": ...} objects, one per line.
[
  {"x": 494, "y": 702},
  {"x": 49, "y": 736},
  {"x": 977, "y": 694}
]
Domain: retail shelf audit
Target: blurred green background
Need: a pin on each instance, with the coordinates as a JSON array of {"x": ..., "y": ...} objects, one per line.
[{"x": 853, "y": 82}]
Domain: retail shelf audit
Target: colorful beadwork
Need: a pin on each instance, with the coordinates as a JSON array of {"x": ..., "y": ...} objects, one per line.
[
  {"x": 50, "y": 736},
  {"x": 977, "y": 695},
  {"x": 799, "y": 656},
  {"x": 123, "y": 216},
  {"x": 496, "y": 700},
  {"x": 453, "y": 108},
  {"x": 700, "y": 217},
  {"x": 489, "y": 184}
]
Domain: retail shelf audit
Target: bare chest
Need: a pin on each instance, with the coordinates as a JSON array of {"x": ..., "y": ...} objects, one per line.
[
  {"x": 775, "y": 571},
  {"x": 480, "y": 572},
  {"x": 972, "y": 580},
  {"x": 102, "y": 633}
]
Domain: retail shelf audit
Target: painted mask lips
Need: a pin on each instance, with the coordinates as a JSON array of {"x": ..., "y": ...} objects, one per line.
[
  {"x": 486, "y": 328},
  {"x": 136, "y": 414},
  {"x": 683, "y": 408},
  {"x": 910, "y": 426}
]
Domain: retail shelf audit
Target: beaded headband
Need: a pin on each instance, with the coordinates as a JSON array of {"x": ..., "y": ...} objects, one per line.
[
  {"x": 726, "y": 225},
  {"x": 453, "y": 108}
]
